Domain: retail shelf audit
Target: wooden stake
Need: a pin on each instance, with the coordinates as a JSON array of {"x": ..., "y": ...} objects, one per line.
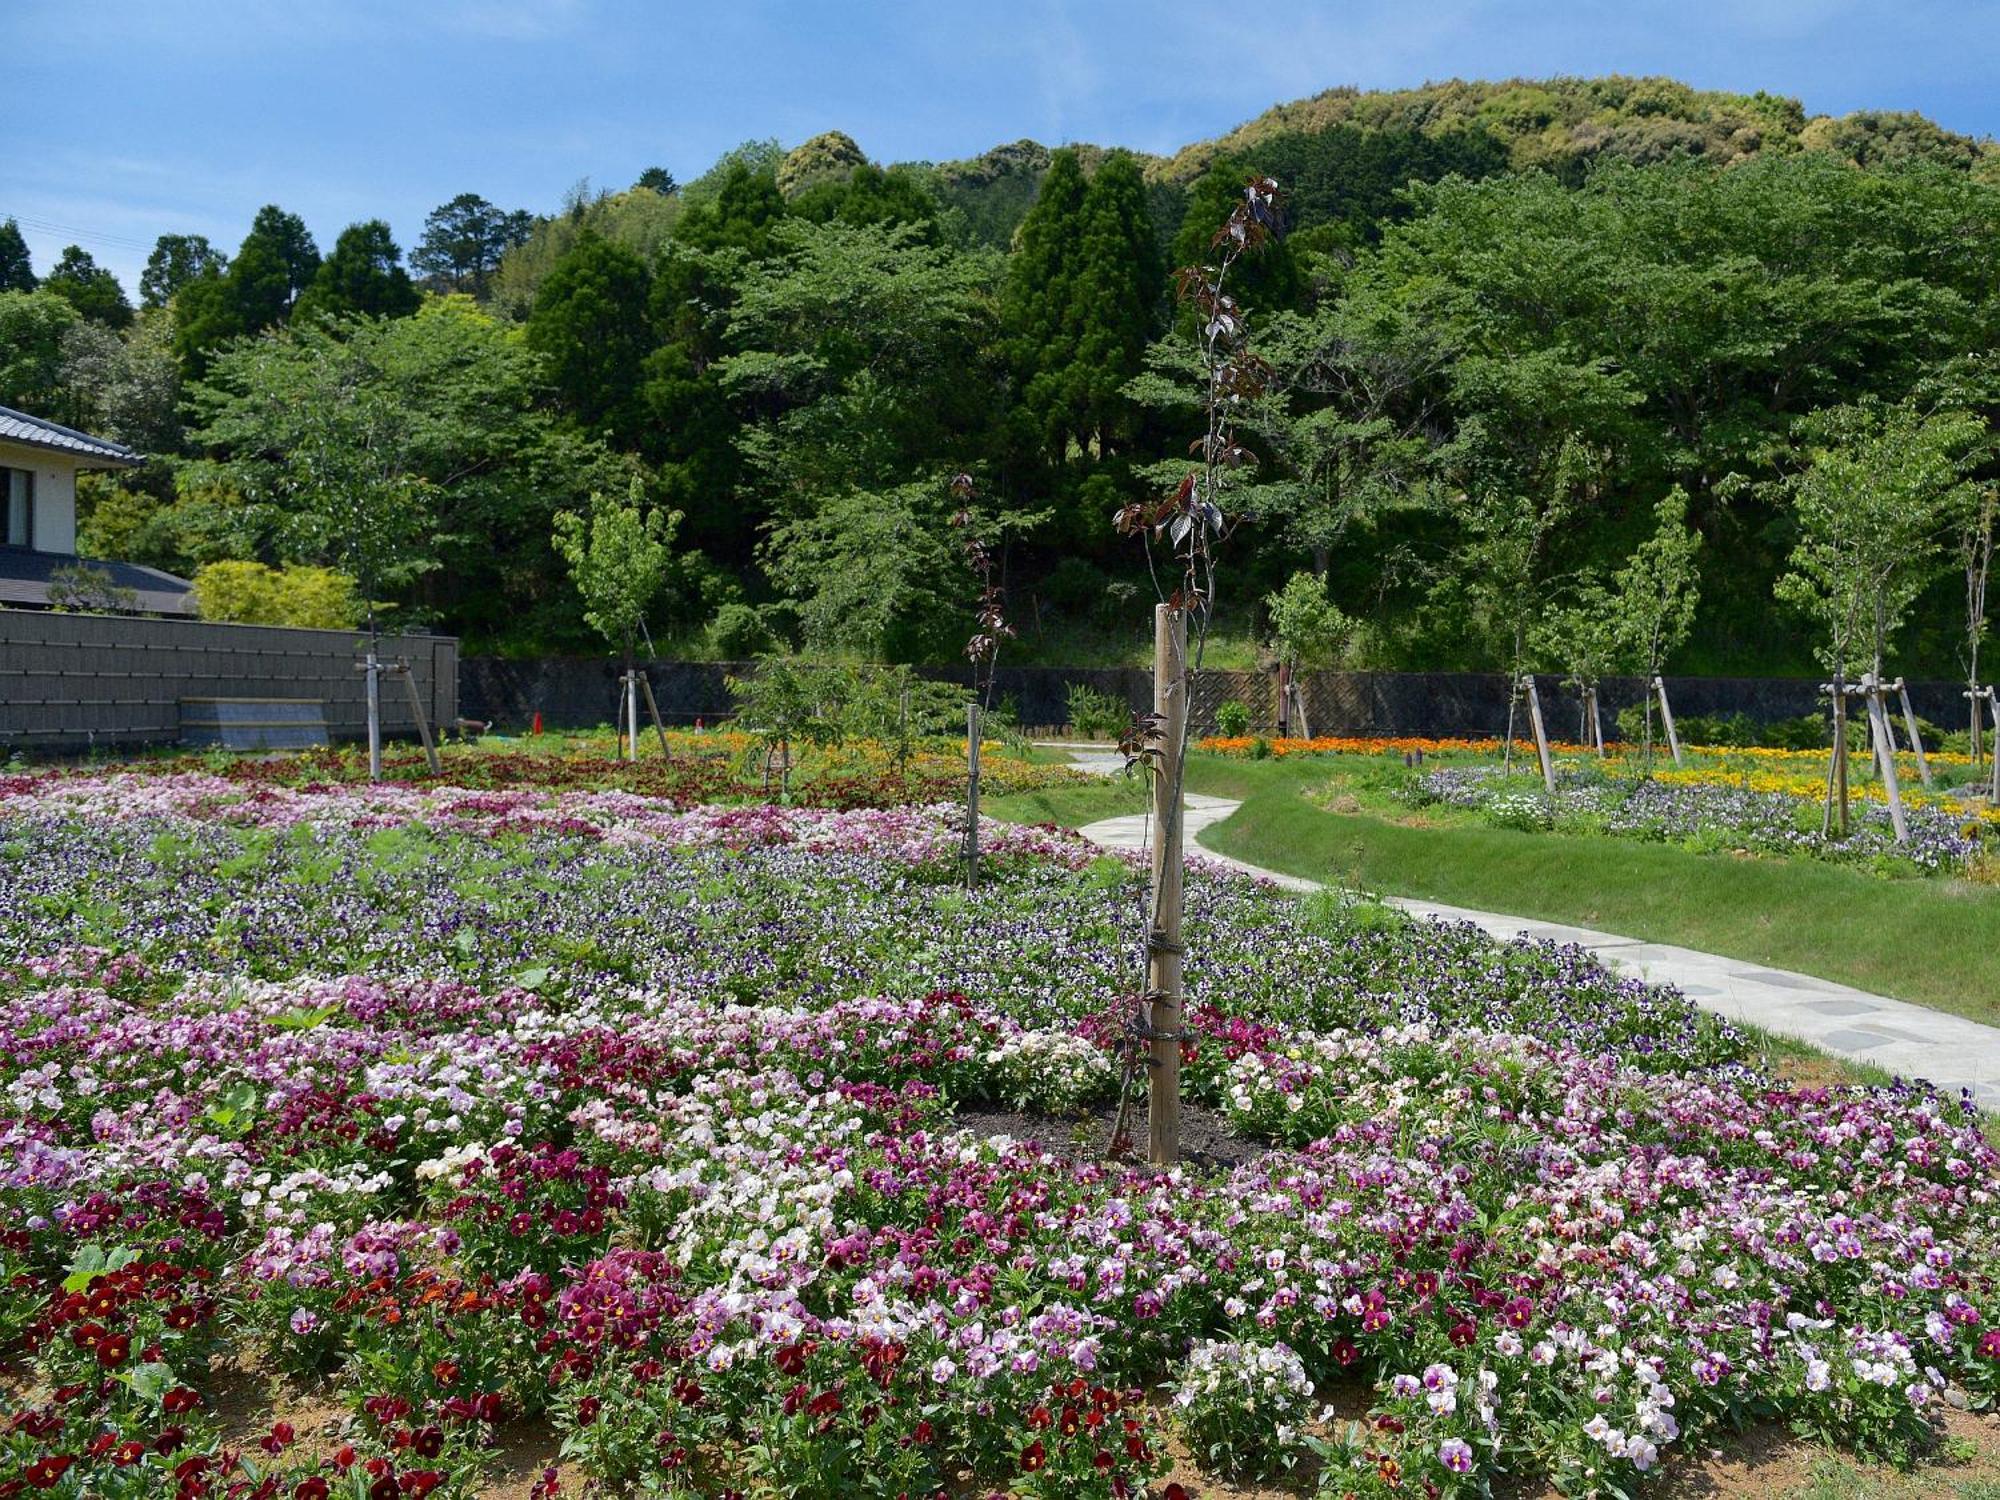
[
  {"x": 1541, "y": 733},
  {"x": 1667, "y": 719},
  {"x": 1840, "y": 751},
  {"x": 653, "y": 708},
  {"x": 1299, "y": 710},
  {"x": 1885, "y": 753},
  {"x": 1916, "y": 736},
  {"x": 1596, "y": 721},
  {"x": 423, "y": 720},
  {"x": 632, "y": 715},
  {"x": 1163, "y": 943},
  {"x": 1993, "y": 715}
]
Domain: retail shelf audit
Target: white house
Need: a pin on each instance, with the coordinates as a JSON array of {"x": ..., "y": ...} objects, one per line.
[{"x": 39, "y": 462}]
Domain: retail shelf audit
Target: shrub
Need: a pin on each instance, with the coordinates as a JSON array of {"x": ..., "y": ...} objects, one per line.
[
  {"x": 249, "y": 593},
  {"x": 739, "y": 632},
  {"x": 1232, "y": 720},
  {"x": 1095, "y": 715}
]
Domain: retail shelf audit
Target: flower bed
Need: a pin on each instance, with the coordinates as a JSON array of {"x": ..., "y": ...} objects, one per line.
[
  {"x": 711, "y": 766},
  {"x": 1707, "y": 811},
  {"x": 650, "y": 1133}
]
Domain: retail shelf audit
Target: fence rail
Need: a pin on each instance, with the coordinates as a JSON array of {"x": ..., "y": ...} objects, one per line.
[{"x": 72, "y": 682}]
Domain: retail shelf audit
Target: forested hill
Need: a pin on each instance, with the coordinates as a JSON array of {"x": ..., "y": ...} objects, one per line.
[
  {"x": 1344, "y": 154},
  {"x": 1517, "y": 334}
]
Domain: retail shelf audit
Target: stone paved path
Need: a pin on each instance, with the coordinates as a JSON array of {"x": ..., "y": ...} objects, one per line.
[{"x": 1910, "y": 1040}]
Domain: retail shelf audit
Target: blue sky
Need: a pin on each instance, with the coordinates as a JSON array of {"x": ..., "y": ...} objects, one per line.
[{"x": 124, "y": 119}]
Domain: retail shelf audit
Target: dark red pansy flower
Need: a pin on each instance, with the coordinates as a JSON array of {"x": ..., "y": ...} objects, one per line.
[{"x": 1033, "y": 1457}]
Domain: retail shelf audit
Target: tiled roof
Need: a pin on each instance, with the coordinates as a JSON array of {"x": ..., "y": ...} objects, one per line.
[
  {"x": 19, "y": 427},
  {"x": 24, "y": 580}
]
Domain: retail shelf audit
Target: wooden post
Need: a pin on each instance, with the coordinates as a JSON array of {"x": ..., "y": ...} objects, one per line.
[
  {"x": 1972, "y": 695},
  {"x": 373, "y": 667},
  {"x": 1916, "y": 735},
  {"x": 631, "y": 715},
  {"x": 423, "y": 719},
  {"x": 1596, "y": 721},
  {"x": 972, "y": 728},
  {"x": 1885, "y": 753},
  {"x": 653, "y": 708},
  {"x": 1993, "y": 718},
  {"x": 1285, "y": 701},
  {"x": 1840, "y": 749},
  {"x": 1541, "y": 733},
  {"x": 1299, "y": 710},
  {"x": 1163, "y": 941},
  {"x": 1667, "y": 719}
]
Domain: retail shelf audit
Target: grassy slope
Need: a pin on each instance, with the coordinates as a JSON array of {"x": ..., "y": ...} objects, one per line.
[{"x": 1933, "y": 942}]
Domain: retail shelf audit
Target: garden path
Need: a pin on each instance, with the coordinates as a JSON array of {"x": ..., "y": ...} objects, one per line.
[{"x": 1911, "y": 1041}]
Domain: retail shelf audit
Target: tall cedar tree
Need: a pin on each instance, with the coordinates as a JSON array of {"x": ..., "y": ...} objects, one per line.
[
  {"x": 1114, "y": 302},
  {"x": 739, "y": 217},
  {"x": 89, "y": 288},
  {"x": 1036, "y": 303},
  {"x": 17, "y": 272},
  {"x": 363, "y": 275},
  {"x": 275, "y": 264},
  {"x": 590, "y": 326}
]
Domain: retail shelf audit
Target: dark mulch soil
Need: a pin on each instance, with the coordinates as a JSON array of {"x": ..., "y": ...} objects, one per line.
[{"x": 1207, "y": 1143}]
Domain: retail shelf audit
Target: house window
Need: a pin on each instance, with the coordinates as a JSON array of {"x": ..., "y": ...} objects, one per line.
[{"x": 17, "y": 494}]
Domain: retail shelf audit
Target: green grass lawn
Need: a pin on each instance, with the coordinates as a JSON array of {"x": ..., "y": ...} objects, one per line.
[{"x": 1934, "y": 942}]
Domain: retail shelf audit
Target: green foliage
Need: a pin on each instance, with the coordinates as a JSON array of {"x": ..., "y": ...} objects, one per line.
[
  {"x": 1656, "y": 591},
  {"x": 1232, "y": 719},
  {"x": 1266, "y": 282},
  {"x": 363, "y": 276},
  {"x": 32, "y": 325},
  {"x": 251, "y": 593},
  {"x": 176, "y": 260},
  {"x": 275, "y": 264},
  {"x": 17, "y": 271},
  {"x": 875, "y": 573},
  {"x": 829, "y": 156},
  {"x": 432, "y": 430},
  {"x": 1095, "y": 715},
  {"x": 463, "y": 242},
  {"x": 618, "y": 558},
  {"x": 93, "y": 291},
  {"x": 589, "y": 326},
  {"x": 1880, "y": 488},
  {"x": 740, "y": 631},
  {"x": 1308, "y": 629},
  {"x": 79, "y": 586}
]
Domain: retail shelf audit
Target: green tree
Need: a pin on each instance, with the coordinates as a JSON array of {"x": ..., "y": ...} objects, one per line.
[
  {"x": 867, "y": 194},
  {"x": 1308, "y": 630},
  {"x": 657, "y": 180},
  {"x": 1037, "y": 302},
  {"x": 739, "y": 213},
  {"x": 89, "y": 288},
  {"x": 176, "y": 260},
  {"x": 619, "y": 557},
  {"x": 1655, "y": 594},
  {"x": 17, "y": 271},
  {"x": 875, "y": 573},
  {"x": 1880, "y": 488},
  {"x": 463, "y": 242},
  {"x": 32, "y": 326},
  {"x": 446, "y": 415},
  {"x": 363, "y": 275},
  {"x": 126, "y": 387},
  {"x": 1114, "y": 301},
  {"x": 273, "y": 267},
  {"x": 590, "y": 328},
  {"x": 861, "y": 361}
]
